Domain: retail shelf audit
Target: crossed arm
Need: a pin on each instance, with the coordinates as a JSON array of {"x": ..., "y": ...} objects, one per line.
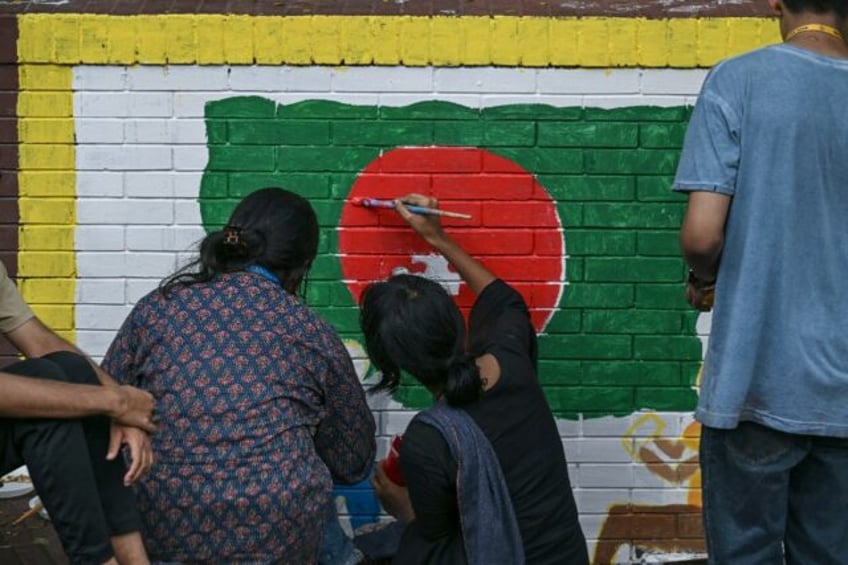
[{"x": 131, "y": 409}]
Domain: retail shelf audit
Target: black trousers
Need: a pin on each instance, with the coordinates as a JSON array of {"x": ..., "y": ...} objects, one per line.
[{"x": 82, "y": 491}]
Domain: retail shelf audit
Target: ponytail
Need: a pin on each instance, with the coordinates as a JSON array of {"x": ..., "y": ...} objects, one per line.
[
  {"x": 463, "y": 384},
  {"x": 229, "y": 249}
]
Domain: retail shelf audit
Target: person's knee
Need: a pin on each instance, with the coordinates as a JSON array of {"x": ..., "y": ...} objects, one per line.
[
  {"x": 39, "y": 368},
  {"x": 65, "y": 366},
  {"x": 76, "y": 368}
]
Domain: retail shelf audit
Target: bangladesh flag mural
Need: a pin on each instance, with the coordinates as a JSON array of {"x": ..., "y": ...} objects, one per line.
[{"x": 570, "y": 205}]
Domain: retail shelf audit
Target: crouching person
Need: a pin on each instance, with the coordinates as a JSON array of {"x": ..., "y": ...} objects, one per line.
[{"x": 67, "y": 421}]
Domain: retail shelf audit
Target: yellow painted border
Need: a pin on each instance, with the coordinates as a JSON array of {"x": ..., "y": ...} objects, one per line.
[
  {"x": 47, "y": 192},
  {"x": 73, "y": 39},
  {"x": 49, "y": 45}
]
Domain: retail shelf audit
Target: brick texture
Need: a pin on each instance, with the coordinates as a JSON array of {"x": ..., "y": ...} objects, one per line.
[{"x": 130, "y": 152}]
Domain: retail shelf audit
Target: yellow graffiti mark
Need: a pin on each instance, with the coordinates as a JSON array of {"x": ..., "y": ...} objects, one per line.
[
  {"x": 637, "y": 429},
  {"x": 674, "y": 460}
]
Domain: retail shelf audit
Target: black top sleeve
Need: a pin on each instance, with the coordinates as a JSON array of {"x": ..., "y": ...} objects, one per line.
[{"x": 500, "y": 320}]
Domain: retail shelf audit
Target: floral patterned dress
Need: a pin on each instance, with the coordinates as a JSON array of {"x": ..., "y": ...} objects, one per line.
[{"x": 260, "y": 410}]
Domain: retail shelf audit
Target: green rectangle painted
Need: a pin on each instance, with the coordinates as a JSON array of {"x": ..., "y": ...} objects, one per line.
[
  {"x": 663, "y": 135},
  {"x": 509, "y": 134},
  {"x": 241, "y": 158},
  {"x": 633, "y": 322},
  {"x": 586, "y": 346},
  {"x": 659, "y": 373},
  {"x": 662, "y": 398},
  {"x": 637, "y": 114},
  {"x": 610, "y": 373},
  {"x": 588, "y": 134},
  {"x": 308, "y": 185},
  {"x": 653, "y": 188},
  {"x": 279, "y": 132},
  {"x": 622, "y": 339},
  {"x": 559, "y": 372},
  {"x": 631, "y": 161},
  {"x": 633, "y": 215},
  {"x": 601, "y": 242},
  {"x": 537, "y": 112},
  {"x": 328, "y": 159},
  {"x": 545, "y": 160},
  {"x": 668, "y": 295},
  {"x": 658, "y": 243},
  {"x": 599, "y": 398},
  {"x": 599, "y": 295},
  {"x": 584, "y": 188},
  {"x": 652, "y": 348},
  {"x": 632, "y": 269}
]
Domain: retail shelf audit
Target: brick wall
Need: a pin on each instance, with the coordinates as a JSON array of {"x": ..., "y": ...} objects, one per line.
[{"x": 139, "y": 134}]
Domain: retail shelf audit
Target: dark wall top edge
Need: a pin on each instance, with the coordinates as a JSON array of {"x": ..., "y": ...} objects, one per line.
[{"x": 551, "y": 8}]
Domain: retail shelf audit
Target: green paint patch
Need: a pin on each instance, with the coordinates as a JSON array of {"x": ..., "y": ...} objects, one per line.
[{"x": 622, "y": 338}]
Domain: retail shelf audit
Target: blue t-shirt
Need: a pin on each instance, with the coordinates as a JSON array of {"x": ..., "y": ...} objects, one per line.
[{"x": 770, "y": 130}]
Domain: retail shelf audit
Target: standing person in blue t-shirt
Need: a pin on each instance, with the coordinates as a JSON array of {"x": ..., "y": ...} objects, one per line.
[{"x": 765, "y": 163}]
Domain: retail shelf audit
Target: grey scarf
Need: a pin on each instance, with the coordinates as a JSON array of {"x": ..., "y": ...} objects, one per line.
[{"x": 489, "y": 528}]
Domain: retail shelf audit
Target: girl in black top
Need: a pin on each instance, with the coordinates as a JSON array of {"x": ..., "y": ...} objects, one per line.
[{"x": 411, "y": 324}]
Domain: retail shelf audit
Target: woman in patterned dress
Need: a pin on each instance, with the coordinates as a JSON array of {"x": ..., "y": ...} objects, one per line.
[{"x": 259, "y": 406}]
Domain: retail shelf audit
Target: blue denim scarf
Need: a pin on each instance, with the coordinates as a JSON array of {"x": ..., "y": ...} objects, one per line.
[{"x": 489, "y": 528}]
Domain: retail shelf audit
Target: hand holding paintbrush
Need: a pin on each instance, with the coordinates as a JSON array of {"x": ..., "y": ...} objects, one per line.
[{"x": 415, "y": 209}]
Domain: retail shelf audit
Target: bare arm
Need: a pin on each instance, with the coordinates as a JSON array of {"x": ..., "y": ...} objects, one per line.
[
  {"x": 475, "y": 275},
  {"x": 24, "y": 397},
  {"x": 702, "y": 232},
  {"x": 34, "y": 339}
]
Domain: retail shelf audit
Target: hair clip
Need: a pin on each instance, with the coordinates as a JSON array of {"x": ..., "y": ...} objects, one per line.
[{"x": 232, "y": 236}]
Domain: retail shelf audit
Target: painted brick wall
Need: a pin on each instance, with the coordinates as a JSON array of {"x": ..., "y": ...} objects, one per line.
[{"x": 138, "y": 134}]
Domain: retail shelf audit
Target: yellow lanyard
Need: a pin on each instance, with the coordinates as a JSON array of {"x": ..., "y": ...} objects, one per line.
[{"x": 831, "y": 31}]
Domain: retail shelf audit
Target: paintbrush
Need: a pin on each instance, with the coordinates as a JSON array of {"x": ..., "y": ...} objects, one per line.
[
  {"x": 377, "y": 203},
  {"x": 31, "y": 512}
]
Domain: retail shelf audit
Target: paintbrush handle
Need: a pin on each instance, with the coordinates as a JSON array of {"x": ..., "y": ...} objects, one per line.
[
  {"x": 435, "y": 212},
  {"x": 415, "y": 209},
  {"x": 31, "y": 512}
]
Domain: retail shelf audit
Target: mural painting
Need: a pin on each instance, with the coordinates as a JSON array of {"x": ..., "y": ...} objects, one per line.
[{"x": 138, "y": 133}]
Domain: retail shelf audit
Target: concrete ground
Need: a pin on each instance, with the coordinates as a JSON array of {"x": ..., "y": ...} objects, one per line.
[{"x": 32, "y": 542}]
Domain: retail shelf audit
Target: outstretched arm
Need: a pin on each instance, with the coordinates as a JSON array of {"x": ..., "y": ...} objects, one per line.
[{"x": 475, "y": 275}]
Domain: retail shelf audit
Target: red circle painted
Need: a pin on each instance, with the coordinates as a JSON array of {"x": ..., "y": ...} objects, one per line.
[{"x": 515, "y": 229}]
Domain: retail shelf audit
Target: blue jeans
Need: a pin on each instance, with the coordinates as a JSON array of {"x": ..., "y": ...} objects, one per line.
[
  {"x": 770, "y": 496},
  {"x": 336, "y": 547}
]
